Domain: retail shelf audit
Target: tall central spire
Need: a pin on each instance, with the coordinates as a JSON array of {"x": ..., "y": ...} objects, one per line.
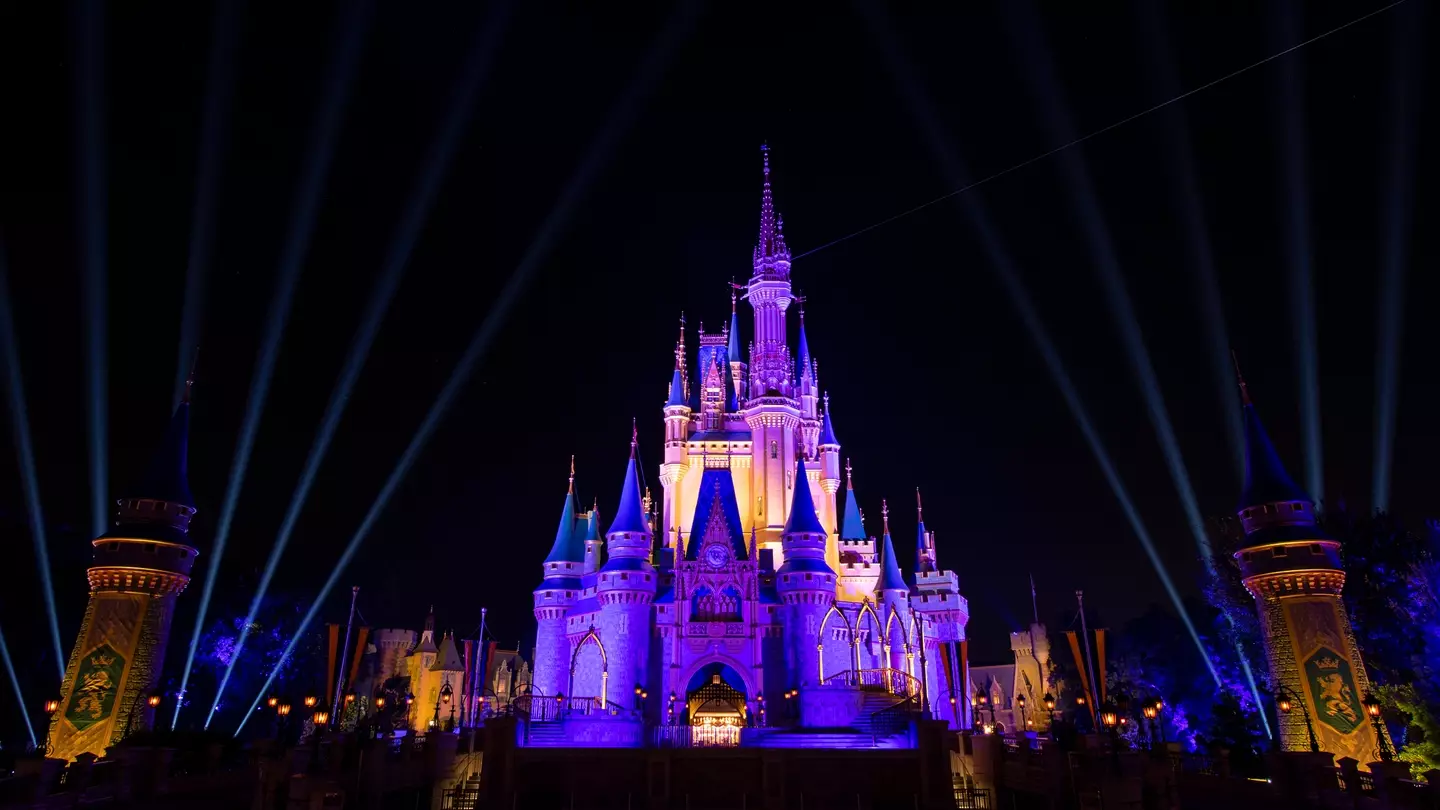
[{"x": 771, "y": 253}]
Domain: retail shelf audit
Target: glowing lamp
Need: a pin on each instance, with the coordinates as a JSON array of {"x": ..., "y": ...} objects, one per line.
[
  {"x": 349, "y": 697},
  {"x": 153, "y": 700},
  {"x": 1150, "y": 711},
  {"x": 52, "y": 706},
  {"x": 637, "y": 691},
  {"x": 1284, "y": 704},
  {"x": 379, "y": 702},
  {"x": 320, "y": 718},
  {"x": 310, "y": 701},
  {"x": 409, "y": 698},
  {"x": 272, "y": 701},
  {"x": 1159, "y": 704},
  {"x": 283, "y": 710},
  {"x": 1049, "y": 701},
  {"x": 1124, "y": 720},
  {"x": 1372, "y": 704},
  {"x": 1020, "y": 699},
  {"x": 644, "y": 695},
  {"x": 1109, "y": 716},
  {"x": 672, "y": 697},
  {"x": 760, "y": 698},
  {"x": 560, "y": 699},
  {"x": 445, "y": 693},
  {"x": 1079, "y": 700},
  {"x": 952, "y": 700},
  {"x": 980, "y": 699},
  {"x": 988, "y": 729}
]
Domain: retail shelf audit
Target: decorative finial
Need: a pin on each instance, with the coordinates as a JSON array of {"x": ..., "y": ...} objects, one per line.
[
  {"x": 765, "y": 157},
  {"x": 634, "y": 437},
  {"x": 885, "y": 515},
  {"x": 190, "y": 378},
  {"x": 1244, "y": 391},
  {"x": 919, "y": 510},
  {"x": 572, "y": 475},
  {"x": 733, "y": 288},
  {"x": 849, "y": 482},
  {"x": 827, "y": 401}
]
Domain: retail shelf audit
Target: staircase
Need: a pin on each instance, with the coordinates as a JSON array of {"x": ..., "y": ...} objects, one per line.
[
  {"x": 543, "y": 735},
  {"x": 872, "y": 705}
]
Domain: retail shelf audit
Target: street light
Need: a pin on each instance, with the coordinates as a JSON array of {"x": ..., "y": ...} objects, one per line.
[
  {"x": 310, "y": 701},
  {"x": 1024, "y": 721},
  {"x": 272, "y": 701},
  {"x": 1285, "y": 700},
  {"x": 320, "y": 718},
  {"x": 1372, "y": 708},
  {"x": 51, "y": 706},
  {"x": 1049, "y": 702}
]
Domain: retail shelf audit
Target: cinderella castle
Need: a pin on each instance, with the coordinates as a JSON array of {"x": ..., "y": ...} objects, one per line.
[{"x": 746, "y": 602}]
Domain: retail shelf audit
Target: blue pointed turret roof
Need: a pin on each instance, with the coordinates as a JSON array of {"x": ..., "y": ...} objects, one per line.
[
  {"x": 677, "y": 390},
  {"x": 166, "y": 478},
  {"x": 630, "y": 512},
  {"x": 919, "y": 521},
  {"x": 592, "y": 525},
  {"x": 852, "y": 527},
  {"x": 803, "y": 519},
  {"x": 1266, "y": 480},
  {"x": 569, "y": 546},
  {"x": 717, "y": 487},
  {"x": 803, "y": 354},
  {"x": 732, "y": 348},
  {"x": 827, "y": 430},
  {"x": 890, "y": 576}
]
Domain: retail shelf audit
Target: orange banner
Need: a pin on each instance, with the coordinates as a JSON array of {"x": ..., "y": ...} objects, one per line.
[
  {"x": 330, "y": 663},
  {"x": 1100, "y": 662},
  {"x": 355, "y": 657},
  {"x": 1080, "y": 665}
]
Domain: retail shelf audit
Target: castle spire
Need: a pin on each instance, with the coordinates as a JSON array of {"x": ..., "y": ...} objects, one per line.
[
  {"x": 732, "y": 347},
  {"x": 568, "y": 546},
  {"x": 803, "y": 519},
  {"x": 167, "y": 477},
  {"x": 1266, "y": 479},
  {"x": 890, "y": 577},
  {"x": 771, "y": 245},
  {"x": 827, "y": 430},
  {"x": 852, "y": 526},
  {"x": 630, "y": 512},
  {"x": 804, "y": 351}
]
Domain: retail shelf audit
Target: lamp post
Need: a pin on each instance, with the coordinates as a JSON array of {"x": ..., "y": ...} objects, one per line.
[
  {"x": 1151, "y": 713},
  {"x": 152, "y": 700},
  {"x": 1110, "y": 718},
  {"x": 1285, "y": 700},
  {"x": 1049, "y": 702},
  {"x": 443, "y": 697},
  {"x": 1372, "y": 708},
  {"x": 1024, "y": 720}
]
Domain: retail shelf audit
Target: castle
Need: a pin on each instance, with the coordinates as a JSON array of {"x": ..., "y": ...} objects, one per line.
[{"x": 745, "y": 597}]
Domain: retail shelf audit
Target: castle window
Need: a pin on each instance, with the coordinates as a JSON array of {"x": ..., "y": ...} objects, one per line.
[
  {"x": 1281, "y": 552},
  {"x": 809, "y": 577},
  {"x": 1315, "y": 549},
  {"x": 774, "y": 450}
]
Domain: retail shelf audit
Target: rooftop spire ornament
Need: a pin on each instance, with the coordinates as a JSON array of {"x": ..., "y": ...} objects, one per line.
[
  {"x": 1244, "y": 390},
  {"x": 572, "y": 475},
  {"x": 885, "y": 515},
  {"x": 919, "y": 508}
]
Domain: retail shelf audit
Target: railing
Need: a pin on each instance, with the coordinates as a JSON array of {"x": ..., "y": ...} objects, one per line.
[
  {"x": 1192, "y": 763},
  {"x": 464, "y": 797},
  {"x": 894, "y": 681},
  {"x": 537, "y": 709},
  {"x": 696, "y": 736},
  {"x": 972, "y": 798},
  {"x": 892, "y": 720}
]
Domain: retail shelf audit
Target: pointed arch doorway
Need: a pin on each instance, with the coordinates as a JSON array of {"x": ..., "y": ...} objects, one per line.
[{"x": 716, "y": 707}]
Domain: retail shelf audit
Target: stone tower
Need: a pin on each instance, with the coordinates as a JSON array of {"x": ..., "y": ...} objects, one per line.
[
  {"x": 140, "y": 566},
  {"x": 806, "y": 584},
  {"x": 1293, "y": 571},
  {"x": 557, "y": 592},
  {"x": 626, "y": 587}
]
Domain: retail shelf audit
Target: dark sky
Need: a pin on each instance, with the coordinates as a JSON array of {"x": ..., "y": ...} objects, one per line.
[{"x": 935, "y": 382}]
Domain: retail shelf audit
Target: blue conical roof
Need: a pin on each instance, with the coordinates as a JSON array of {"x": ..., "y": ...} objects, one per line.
[
  {"x": 677, "y": 390},
  {"x": 630, "y": 513},
  {"x": 1266, "y": 480},
  {"x": 827, "y": 430},
  {"x": 166, "y": 478},
  {"x": 853, "y": 526},
  {"x": 592, "y": 526},
  {"x": 803, "y": 355},
  {"x": 732, "y": 349},
  {"x": 890, "y": 576},
  {"x": 803, "y": 519},
  {"x": 569, "y": 545}
]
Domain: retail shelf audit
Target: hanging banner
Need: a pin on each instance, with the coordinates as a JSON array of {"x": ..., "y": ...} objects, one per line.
[
  {"x": 363, "y": 636},
  {"x": 1100, "y": 662},
  {"x": 1080, "y": 666},
  {"x": 332, "y": 644}
]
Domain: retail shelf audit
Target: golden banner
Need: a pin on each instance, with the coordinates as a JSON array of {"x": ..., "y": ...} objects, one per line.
[
  {"x": 1100, "y": 662},
  {"x": 1080, "y": 666}
]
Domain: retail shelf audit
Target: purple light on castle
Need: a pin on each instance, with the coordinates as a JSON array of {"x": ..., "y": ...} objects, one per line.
[{"x": 733, "y": 609}]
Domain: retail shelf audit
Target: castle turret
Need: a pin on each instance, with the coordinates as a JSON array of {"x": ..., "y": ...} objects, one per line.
[
  {"x": 944, "y": 614},
  {"x": 859, "y": 567},
  {"x": 139, "y": 569},
  {"x": 1293, "y": 571},
  {"x": 732, "y": 349},
  {"x": 924, "y": 541},
  {"x": 447, "y": 669},
  {"x": 557, "y": 592},
  {"x": 829, "y": 448},
  {"x": 892, "y": 594},
  {"x": 593, "y": 543},
  {"x": 806, "y": 583},
  {"x": 626, "y": 587}
]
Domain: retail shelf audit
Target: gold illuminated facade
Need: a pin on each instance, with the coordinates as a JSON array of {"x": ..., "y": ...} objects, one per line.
[{"x": 139, "y": 569}]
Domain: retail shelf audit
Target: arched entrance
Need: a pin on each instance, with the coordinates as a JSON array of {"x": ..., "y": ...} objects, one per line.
[{"x": 715, "y": 706}]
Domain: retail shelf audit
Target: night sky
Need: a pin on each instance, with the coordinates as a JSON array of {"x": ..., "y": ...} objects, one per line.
[{"x": 934, "y": 380}]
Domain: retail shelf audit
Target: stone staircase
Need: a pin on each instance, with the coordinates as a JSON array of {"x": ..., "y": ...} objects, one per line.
[
  {"x": 543, "y": 735},
  {"x": 871, "y": 703}
]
